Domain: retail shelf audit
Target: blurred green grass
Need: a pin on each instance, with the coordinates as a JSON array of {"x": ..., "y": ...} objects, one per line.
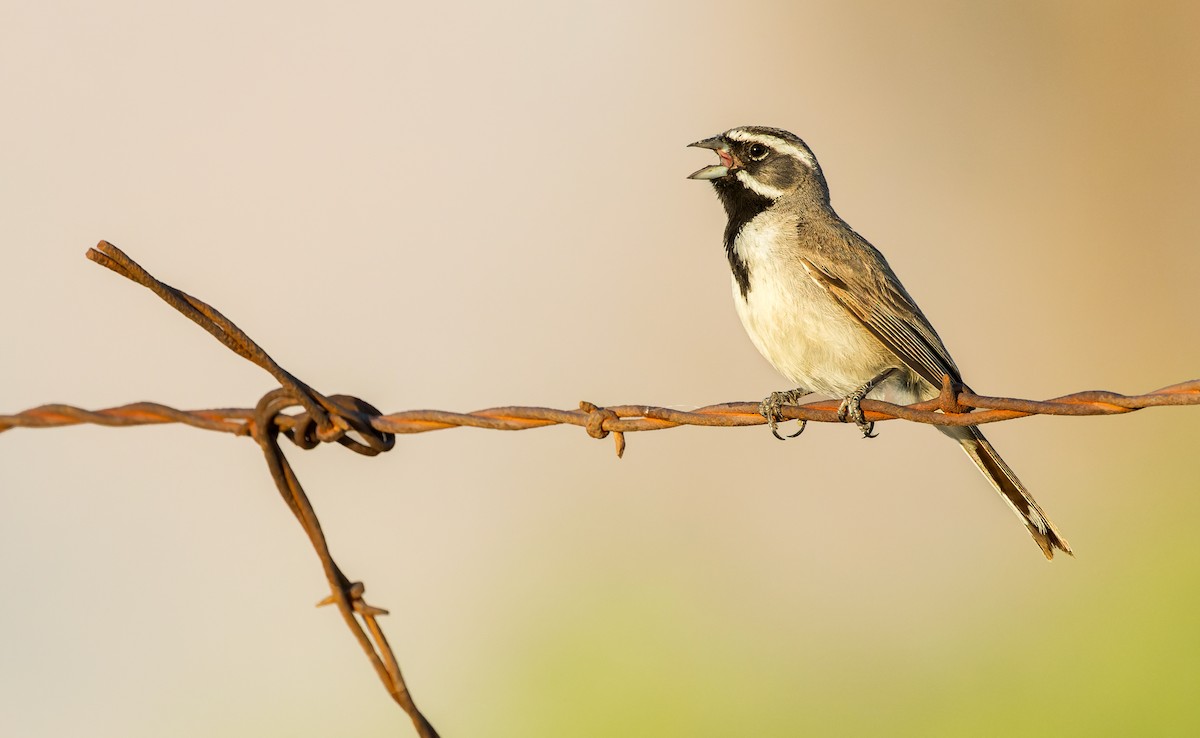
[{"x": 1112, "y": 652}]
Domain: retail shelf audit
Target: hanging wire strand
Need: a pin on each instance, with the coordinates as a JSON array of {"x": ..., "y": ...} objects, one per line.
[
  {"x": 357, "y": 425},
  {"x": 324, "y": 419}
]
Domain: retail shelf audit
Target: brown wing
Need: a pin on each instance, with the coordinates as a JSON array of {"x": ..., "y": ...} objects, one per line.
[{"x": 873, "y": 295}]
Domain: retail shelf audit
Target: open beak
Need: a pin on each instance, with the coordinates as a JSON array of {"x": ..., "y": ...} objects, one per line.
[{"x": 715, "y": 171}]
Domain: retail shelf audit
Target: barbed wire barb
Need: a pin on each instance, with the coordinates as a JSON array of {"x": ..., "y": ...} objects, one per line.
[{"x": 359, "y": 426}]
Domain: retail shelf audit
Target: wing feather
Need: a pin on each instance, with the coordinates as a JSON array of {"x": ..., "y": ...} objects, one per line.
[{"x": 877, "y": 299}]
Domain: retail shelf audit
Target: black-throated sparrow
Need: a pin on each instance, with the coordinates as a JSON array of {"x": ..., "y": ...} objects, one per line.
[{"x": 823, "y": 306}]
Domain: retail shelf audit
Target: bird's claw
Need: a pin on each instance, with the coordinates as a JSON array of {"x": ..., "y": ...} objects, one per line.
[
  {"x": 851, "y": 410},
  {"x": 770, "y": 408}
]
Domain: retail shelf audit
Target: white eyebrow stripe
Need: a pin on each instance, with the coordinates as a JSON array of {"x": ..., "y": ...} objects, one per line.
[
  {"x": 754, "y": 185},
  {"x": 776, "y": 143}
]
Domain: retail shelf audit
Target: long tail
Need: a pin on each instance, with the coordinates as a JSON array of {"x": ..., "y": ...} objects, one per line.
[{"x": 1010, "y": 488}]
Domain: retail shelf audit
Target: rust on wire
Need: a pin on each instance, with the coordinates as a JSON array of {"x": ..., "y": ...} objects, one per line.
[
  {"x": 357, "y": 425},
  {"x": 620, "y": 419}
]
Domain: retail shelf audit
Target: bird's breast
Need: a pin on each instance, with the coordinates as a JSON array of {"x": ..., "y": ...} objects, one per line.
[{"x": 793, "y": 320}]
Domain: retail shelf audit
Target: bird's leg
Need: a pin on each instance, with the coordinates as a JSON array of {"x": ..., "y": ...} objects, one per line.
[
  {"x": 770, "y": 409},
  {"x": 850, "y": 409}
]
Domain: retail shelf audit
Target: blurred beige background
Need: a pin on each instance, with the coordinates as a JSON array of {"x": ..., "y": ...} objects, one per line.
[{"x": 471, "y": 205}]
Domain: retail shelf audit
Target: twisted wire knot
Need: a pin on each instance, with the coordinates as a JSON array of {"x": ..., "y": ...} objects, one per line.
[
  {"x": 948, "y": 399},
  {"x": 342, "y": 419},
  {"x": 596, "y": 420}
]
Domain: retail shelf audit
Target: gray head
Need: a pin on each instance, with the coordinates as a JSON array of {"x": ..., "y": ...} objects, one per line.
[{"x": 760, "y": 164}]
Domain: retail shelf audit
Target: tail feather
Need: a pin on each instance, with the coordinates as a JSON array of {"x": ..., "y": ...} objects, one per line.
[{"x": 1010, "y": 488}]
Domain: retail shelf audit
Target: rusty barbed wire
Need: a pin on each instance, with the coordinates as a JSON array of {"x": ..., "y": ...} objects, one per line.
[
  {"x": 359, "y": 426},
  {"x": 620, "y": 419}
]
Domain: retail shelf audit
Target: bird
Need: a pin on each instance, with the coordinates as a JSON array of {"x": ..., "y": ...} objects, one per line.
[{"x": 823, "y": 306}]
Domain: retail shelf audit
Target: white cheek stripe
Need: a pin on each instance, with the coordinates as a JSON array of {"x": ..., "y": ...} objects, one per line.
[
  {"x": 778, "y": 144},
  {"x": 753, "y": 184}
]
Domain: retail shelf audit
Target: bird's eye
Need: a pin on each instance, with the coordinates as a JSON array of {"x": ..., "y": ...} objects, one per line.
[{"x": 758, "y": 152}]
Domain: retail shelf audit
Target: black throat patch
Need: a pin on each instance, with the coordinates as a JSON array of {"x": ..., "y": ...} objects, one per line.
[{"x": 741, "y": 205}]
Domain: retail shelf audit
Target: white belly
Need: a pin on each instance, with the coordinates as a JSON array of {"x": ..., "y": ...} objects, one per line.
[{"x": 797, "y": 325}]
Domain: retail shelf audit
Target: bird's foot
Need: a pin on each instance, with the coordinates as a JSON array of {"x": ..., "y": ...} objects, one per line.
[
  {"x": 770, "y": 408},
  {"x": 851, "y": 410}
]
